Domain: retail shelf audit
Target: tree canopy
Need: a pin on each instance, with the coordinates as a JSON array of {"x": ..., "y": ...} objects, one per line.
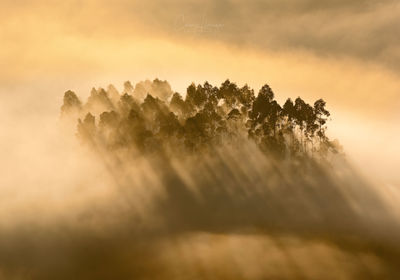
[{"x": 150, "y": 117}]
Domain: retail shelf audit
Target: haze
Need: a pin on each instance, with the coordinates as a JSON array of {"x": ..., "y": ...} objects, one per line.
[{"x": 346, "y": 52}]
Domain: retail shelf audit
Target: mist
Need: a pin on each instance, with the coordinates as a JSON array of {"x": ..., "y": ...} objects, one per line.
[
  {"x": 68, "y": 211},
  {"x": 71, "y": 212}
]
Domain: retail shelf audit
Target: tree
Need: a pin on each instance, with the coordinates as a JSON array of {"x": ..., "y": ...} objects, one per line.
[
  {"x": 128, "y": 88},
  {"x": 208, "y": 116},
  {"x": 211, "y": 94},
  {"x": 288, "y": 110},
  {"x": 310, "y": 125},
  {"x": 87, "y": 128},
  {"x": 196, "y": 96},
  {"x": 261, "y": 106},
  {"x": 267, "y": 93},
  {"x": 274, "y": 115},
  {"x": 126, "y": 104},
  {"x": 246, "y": 97},
  {"x": 321, "y": 116},
  {"x": 108, "y": 119},
  {"x": 141, "y": 90},
  {"x": 161, "y": 89},
  {"x": 98, "y": 102},
  {"x": 177, "y": 105},
  {"x": 71, "y": 103},
  {"x": 169, "y": 125},
  {"x": 113, "y": 94},
  {"x": 108, "y": 126},
  {"x": 229, "y": 92}
]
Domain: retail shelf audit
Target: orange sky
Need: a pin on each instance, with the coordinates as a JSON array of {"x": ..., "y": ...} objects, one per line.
[{"x": 315, "y": 49}]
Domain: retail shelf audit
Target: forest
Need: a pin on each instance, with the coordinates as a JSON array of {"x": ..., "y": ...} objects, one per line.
[{"x": 149, "y": 117}]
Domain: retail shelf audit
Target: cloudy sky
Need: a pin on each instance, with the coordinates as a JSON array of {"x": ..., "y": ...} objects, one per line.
[{"x": 344, "y": 51}]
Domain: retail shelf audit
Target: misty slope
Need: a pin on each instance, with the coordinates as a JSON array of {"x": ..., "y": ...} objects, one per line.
[
  {"x": 248, "y": 202},
  {"x": 174, "y": 219}
]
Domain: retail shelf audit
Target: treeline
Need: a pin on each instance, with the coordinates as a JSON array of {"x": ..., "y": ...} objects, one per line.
[{"x": 151, "y": 117}]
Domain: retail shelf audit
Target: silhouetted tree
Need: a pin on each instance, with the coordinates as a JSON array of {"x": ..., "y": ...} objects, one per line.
[
  {"x": 274, "y": 115},
  {"x": 87, "y": 128},
  {"x": 126, "y": 104},
  {"x": 109, "y": 119},
  {"x": 196, "y": 96},
  {"x": 230, "y": 93},
  {"x": 262, "y": 104},
  {"x": 177, "y": 105},
  {"x": 288, "y": 110},
  {"x": 113, "y": 94},
  {"x": 71, "y": 103},
  {"x": 161, "y": 89},
  {"x": 321, "y": 117},
  {"x": 98, "y": 102},
  {"x": 128, "y": 88},
  {"x": 208, "y": 116},
  {"x": 299, "y": 115},
  {"x": 246, "y": 98}
]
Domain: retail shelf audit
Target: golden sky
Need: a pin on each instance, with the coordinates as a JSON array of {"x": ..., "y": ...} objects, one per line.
[{"x": 344, "y": 51}]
